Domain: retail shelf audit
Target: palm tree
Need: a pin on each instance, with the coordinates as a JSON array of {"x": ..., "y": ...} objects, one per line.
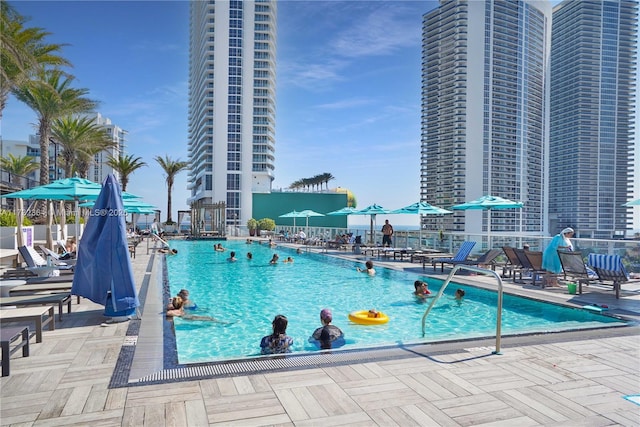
[
  {"x": 125, "y": 166},
  {"x": 171, "y": 168},
  {"x": 20, "y": 166},
  {"x": 326, "y": 177},
  {"x": 23, "y": 51},
  {"x": 78, "y": 138},
  {"x": 51, "y": 96}
]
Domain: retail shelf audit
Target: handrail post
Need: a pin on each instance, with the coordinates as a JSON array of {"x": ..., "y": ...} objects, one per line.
[{"x": 499, "y": 303}]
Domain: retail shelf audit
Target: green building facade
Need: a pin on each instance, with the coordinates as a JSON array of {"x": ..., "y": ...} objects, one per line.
[{"x": 272, "y": 205}]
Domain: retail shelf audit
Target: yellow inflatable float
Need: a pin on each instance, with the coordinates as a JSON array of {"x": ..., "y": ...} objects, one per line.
[{"x": 368, "y": 317}]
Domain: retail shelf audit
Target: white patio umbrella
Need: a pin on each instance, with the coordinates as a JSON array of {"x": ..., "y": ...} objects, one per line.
[{"x": 489, "y": 203}]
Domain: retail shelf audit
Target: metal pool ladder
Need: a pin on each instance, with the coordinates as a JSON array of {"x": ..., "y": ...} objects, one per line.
[{"x": 477, "y": 270}]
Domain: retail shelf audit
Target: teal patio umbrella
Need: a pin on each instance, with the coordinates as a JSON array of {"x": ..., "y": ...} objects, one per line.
[
  {"x": 344, "y": 211},
  {"x": 293, "y": 214},
  {"x": 66, "y": 189},
  {"x": 488, "y": 203},
  {"x": 307, "y": 213},
  {"x": 372, "y": 211},
  {"x": 421, "y": 208},
  {"x": 633, "y": 203}
]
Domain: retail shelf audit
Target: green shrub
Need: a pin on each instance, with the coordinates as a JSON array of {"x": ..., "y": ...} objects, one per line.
[
  {"x": 8, "y": 219},
  {"x": 266, "y": 224},
  {"x": 252, "y": 224}
]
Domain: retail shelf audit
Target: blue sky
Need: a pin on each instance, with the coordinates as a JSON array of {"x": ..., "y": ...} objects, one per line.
[{"x": 348, "y": 94}]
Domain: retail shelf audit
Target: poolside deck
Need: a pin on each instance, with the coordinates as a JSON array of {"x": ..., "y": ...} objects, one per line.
[{"x": 576, "y": 378}]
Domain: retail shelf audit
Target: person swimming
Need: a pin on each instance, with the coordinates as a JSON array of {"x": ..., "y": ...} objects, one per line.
[
  {"x": 421, "y": 289},
  {"x": 368, "y": 268}
]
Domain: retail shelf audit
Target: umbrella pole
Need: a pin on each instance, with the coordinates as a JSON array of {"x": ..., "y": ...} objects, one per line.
[
  {"x": 488, "y": 229},
  {"x": 20, "y": 219}
]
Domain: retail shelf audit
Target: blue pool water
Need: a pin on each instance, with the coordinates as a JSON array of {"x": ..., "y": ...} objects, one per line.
[{"x": 248, "y": 294}]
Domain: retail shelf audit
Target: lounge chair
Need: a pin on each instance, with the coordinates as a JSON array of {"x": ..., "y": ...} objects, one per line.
[
  {"x": 609, "y": 268},
  {"x": 461, "y": 256},
  {"x": 60, "y": 299},
  {"x": 513, "y": 265},
  {"x": 574, "y": 269},
  {"x": 57, "y": 257},
  {"x": 42, "y": 316},
  {"x": 9, "y": 335},
  {"x": 531, "y": 262},
  {"x": 38, "y": 265}
]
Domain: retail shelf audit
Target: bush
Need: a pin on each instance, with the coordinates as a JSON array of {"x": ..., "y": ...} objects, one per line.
[
  {"x": 8, "y": 219},
  {"x": 252, "y": 224},
  {"x": 267, "y": 224}
]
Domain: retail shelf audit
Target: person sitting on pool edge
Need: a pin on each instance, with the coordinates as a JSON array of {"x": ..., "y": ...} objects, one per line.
[
  {"x": 278, "y": 342},
  {"x": 421, "y": 289},
  {"x": 369, "y": 268},
  {"x": 327, "y": 334}
]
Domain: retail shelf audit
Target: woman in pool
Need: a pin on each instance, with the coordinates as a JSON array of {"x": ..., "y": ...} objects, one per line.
[
  {"x": 288, "y": 260},
  {"x": 274, "y": 259},
  {"x": 232, "y": 257},
  {"x": 176, "y": 309},
  {"x": 459, "y": 295},
  {"x": 278, "y": 342},
  {"x": 219, "y": 248},
  {"x": 328, "y": 335},
  {"x": 421, "y": 289},
  {"x": 187, "y": 304},
  {"x": 369, "y": 268}
]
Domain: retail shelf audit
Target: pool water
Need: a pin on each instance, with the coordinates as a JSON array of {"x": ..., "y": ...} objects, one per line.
[{"x": 247, "y": 294}]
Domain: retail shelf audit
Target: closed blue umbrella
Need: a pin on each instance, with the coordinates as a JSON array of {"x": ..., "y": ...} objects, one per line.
[{"x": 103, "y": 271}]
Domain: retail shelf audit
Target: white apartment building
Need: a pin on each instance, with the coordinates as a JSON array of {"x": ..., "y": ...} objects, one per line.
[
  {"x": 485, "y": 98},
  {"x": 593, "y": 83},
  {"x": 232, "y": 78}
]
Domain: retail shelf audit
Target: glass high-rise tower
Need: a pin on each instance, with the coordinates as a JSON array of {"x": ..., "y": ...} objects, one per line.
[
  {"x": 232, "y": 78},
  {"x": 485, "y": 112},
  {"x": 593, "y": 67}
]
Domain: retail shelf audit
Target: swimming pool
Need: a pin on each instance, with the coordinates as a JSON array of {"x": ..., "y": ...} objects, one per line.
[{"x": 247, "y": 294}]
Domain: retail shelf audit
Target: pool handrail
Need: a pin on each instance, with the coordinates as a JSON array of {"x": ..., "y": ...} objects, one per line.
[{"x": 477, "y": 270}]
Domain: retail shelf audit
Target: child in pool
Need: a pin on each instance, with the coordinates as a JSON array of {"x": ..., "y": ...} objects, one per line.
[
  {"x": 328, "y": 333},
  {"x": 459, "y": 295},
  {"x": 421, "y": 289},
  {"x": 369, "y": 268}
]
